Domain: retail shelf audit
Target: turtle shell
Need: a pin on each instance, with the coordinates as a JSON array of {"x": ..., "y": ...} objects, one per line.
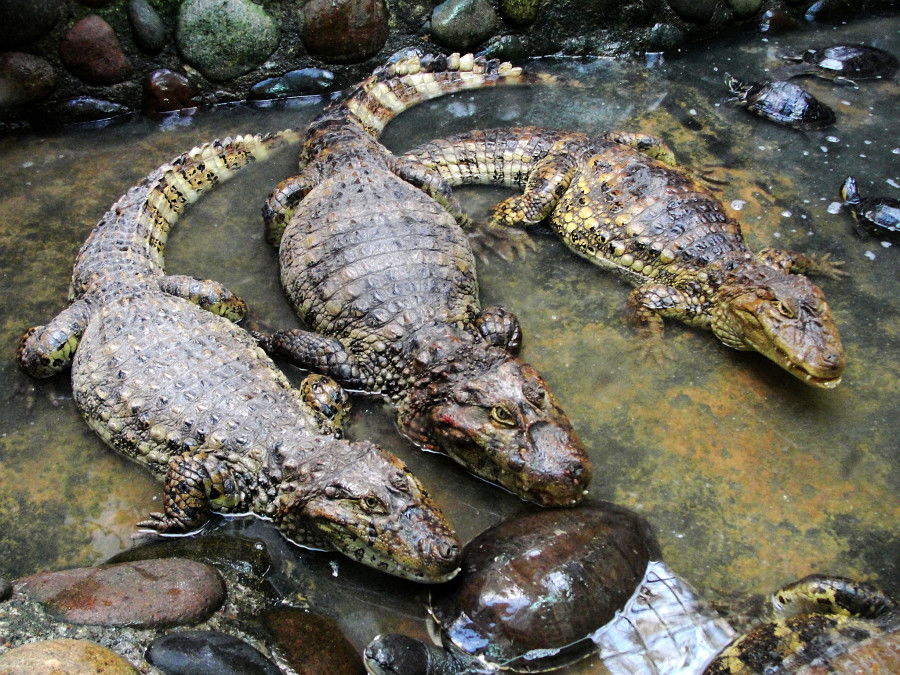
[
  {"x": 854, "y": 62},
  {"x": 788, "y": 104},
  {"x": 533, "y": 589}
]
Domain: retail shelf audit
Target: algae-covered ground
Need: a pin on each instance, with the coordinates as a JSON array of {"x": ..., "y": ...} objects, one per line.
[{"x": 750, "y": 478}]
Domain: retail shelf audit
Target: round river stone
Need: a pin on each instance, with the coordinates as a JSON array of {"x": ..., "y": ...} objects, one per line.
[
  {"x": 149, "y": 31},
  {"x": 198, "y": 652},
  {"x": 91, "y": 50},
  {"x": 24, "y": 21},
  {"x": 461, "y": 24},
  {"x": 64, "y": 657},
  {"x": 344, "y": 31}
]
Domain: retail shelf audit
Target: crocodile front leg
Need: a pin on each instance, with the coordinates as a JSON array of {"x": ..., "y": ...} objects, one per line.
[
  {"x": 793, "y": 262},
  {"x": 207, "y": 294},
  {"x": 546, "y": 183},
  {"x": 328, "y": 401},
  {"x": 315, "y": 352},
  {"x": 283, "y": 200},
  {"x": 195, "y": 485},
  {"x": 652, "y": 146},
  {"x": 47, "y": 350},
  {"x": 649, "y": 304}
]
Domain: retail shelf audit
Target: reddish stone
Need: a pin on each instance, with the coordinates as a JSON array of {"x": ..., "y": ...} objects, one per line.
[
  {"x": 344, "y": 31},
  {"x": 312, "y": 644},
  {"x": 166, "y": 90},
  {"x": 144, "y": 593},
  {"x": 91, "y": 50}
]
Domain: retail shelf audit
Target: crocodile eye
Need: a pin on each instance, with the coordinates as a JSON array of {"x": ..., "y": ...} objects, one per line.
[
  {"x": 373, "y": 504},
  {"x": 784, "y": 310},
  {"x": 502, "y": 416}
]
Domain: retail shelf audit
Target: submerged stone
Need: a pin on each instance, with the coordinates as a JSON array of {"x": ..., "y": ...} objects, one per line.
[
  {"x": 506, "y": 48},
  {"x": 198, "y": 652},
  {"x": 294, "y": 83},
  {"x": 149, "y": 32},
  {"x": 695, "y": 11},
  {"x": 313, "y": 644},
  {"x": 145, "y": 593},
  {"x": 24, "y": 78},
  {"x": 520, "y": 12},
  {"x": 88, "y": 109},
  {"x": 462, "y": 24},
  {"x": 91, "y": 50},
  {"x": 344, "y": 31},
  {"x": 165, "y": 90},
  {"x": 241, "y": 554},
  {"x": 64, "y": 657},
  {"x": 744, "y": 9},
  {"x": 225, "y": 38}
]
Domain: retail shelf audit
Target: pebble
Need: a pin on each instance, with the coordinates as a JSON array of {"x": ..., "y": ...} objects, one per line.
[
  {"x": 149, "y": 31},
  {"x": 294, "y": 83},
  {"x": 831, "y": 10},
  {"x": 463, "y": 24},
  {"x": 86, "y": 109},
  {"x": 696, "y": 11},
  {"x": 64, "y": 657},
  {"x": 91, "y": 51},
  {"x": 520, "y": 12},
  {"x": 744, "y": 9},
  {"x": 144, "y": 593},
  {"x": 344, "y": 31},
  {"x": 198, "y": 652},
  {"x": 165, "y": 90},
  {"x": 24, "y": 21},
  {"x": 24, "y": 78},
  {"x": 225, "y": 38},
  {"x": 506, "y": 48},
  {"x": 312, "y": 644}
]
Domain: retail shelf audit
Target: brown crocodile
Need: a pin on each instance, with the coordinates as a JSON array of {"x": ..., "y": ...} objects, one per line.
[
  {"x": 192, "y": 397},
  {"x": 384, "y": 275},
  {"x": 618, "y": 201}
]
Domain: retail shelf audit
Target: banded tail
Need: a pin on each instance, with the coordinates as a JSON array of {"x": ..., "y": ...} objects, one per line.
[{"x": 410, "y": 80}]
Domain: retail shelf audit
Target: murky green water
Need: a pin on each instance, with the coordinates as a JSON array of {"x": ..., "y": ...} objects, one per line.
[{"x": 750, "y": 478}]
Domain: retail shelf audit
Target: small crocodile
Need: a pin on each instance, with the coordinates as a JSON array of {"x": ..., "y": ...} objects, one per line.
[
  {"x": 192, "y": 397},
  {"x": 383, "y": 273},
  {"x": 618, "y": 201}
]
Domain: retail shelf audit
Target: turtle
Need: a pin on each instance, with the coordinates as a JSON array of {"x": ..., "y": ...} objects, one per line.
[
  {"x": 820, "y": 621},
  {"x": 543, "y": 590},
  {"x": 843, "y": 64},
  {"x": 878, "y": 216},
  {"x": 781, "y": 102}
]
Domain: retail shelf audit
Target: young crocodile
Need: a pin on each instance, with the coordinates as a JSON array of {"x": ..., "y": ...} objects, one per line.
[
  {"x": 630, "y": 211},
  {"x": 384, "y": 274},
  {"x": 191, "y": 396}
]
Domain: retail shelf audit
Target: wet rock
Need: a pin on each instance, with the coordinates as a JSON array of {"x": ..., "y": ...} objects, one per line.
[
  {"x": 95, "y": 3},
  {"x": 506, "y": 48},
  {"x": 832, "y": 10},
  {"x": 462, "y": 24},
  {"x": 156, "y": 592},
  {"x": 64, "y": 657},
  {"x": 198, "y": 652},
  {"x": 294, "y": 83},
  {"x": 744, "y": 9},
  {"x": 664, "y": 36},
  {"x": 244, "y": 555},
  {"x": 344, "y": 31},
  {"x": 5, "y": 590},
  {"x": 520, "y": 12},
  {"x": 149, "y": 32},
  {"x": 696, "y": 11},
  {"x": 165, "y": 90},
  {"x": 24, "y": 78},
  {"x": 86, "y": 109},
  {"x": 225, "y": 38},
  {"x": 312, "y": 644},
  {"x": 91, "y": 50},
  {"x": 24, "y": 21},
  {"x": 776, "y": 21}
]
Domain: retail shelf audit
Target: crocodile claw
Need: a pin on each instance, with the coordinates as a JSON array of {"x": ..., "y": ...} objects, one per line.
[
  {"x": 505, "y": 242},
  {"x": 824, "y": 265},
  {"x": 161, "y": 523}
]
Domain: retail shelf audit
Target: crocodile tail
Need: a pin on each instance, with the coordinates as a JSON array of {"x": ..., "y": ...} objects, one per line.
[
  {"x": 412, "y": 79},
  {"x": 132, "y": 234}
]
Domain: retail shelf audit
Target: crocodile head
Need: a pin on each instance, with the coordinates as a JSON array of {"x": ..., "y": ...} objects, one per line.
[
  {"x": 495, "y": 415},
  {"x": 363, "y": 502},
  {"x": 782, "y": 316}
]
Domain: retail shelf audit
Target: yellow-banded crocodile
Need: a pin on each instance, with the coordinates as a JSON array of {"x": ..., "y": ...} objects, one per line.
[
  {"x": 384, "y": 275},
  {"x": 618, "y": 201},
  {"x": 192, "y": 397}
]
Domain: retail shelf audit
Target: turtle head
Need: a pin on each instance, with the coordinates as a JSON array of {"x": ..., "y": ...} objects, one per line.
[
  {"x": 361, "y": 501},
  {"x": 494, "y": 414},
  {"x": 850, "y": 191},
  {"x": 784, "y": 317}
]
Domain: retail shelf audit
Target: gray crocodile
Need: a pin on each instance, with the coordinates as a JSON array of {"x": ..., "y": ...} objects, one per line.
[
  {"x": 382, "y": 272},
  {"x": 190, "y": 395},
  {"x": 618, "y": 201}
]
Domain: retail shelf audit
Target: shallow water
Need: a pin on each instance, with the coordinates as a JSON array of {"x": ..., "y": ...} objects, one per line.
[{"x": 750, "y": 478}]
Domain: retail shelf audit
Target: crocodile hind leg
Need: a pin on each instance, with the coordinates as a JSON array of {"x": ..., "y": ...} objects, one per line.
[
  {"x": 652, "y": 146},
  {"x": 46, "y": 350},
  {"x": 207, "y": 294},
  {"x": 500, "y": 327},
  {"x": 328, "y": 401},
  {"x": 283, "y": 200},
  {"x": 832, "y": 595},
  {"x": 315, "y": 352},
  {"x": 792, "y": 262},
  {"x": 195, "y": 485}
]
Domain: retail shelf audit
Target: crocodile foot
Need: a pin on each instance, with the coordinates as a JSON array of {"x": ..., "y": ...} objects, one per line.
[
  {"x": 163, "y": 524},
  {"x": 506, "y": 242},
  {"x": 822, "y": 264}
]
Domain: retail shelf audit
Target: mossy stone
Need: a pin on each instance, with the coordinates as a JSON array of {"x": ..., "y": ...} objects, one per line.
[{"x": 520, "y": 12}]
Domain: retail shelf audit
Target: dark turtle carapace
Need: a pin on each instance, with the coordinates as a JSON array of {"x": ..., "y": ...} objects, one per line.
[
  {"x": 543, "y": 590},
  {"x": 782, "y": 102},
  {"x": 876, "y": 216},
  {"x": 845, "y": 64}
]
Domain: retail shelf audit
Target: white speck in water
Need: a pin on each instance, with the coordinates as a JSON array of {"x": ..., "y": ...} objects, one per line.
[
  {"x": 806, "y": 201},
  {"x": 803, "y": 216},
  {"x": 823, "y": 148},
  {"x": 896, "y": 151},
  {"x": 760, "y": 147},
  {"x": 737, "y": 204},
  {"x": 692, "y": 111},
  {"x": 786, "y": 214},
  {"x": 846, "y": 103},
  {"x": 777, "y": 235},
  {"x": 886, "y": 244},
  {"x": 764, "y": 40},
  {"x": 832, "y": 139},
  {"x": 679, "y": 535},
  {"x": 793, "y": 229},
  {"x": 862, "y": 155},
  {"x": 867, "y": 142},
  {"x": 334, "y": 568},
  {"x": 892, "y": 183},
  {"x": 870, "y": 255},
  {"x": 834, "y": 207},
  {"x": 809, "y": 233},
  {"x": 806, "y": 153},
  {"x": 553, "y": 317},
  {"x": 715, "y": 69},
  {"x": 27, "y": 165}
]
